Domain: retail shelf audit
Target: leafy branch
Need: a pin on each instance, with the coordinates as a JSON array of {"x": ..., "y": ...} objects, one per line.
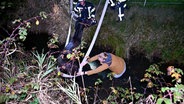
[{"x": 8, "y": 45}]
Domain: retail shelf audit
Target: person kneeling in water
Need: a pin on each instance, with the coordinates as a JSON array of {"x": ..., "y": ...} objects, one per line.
[{"x": 108, "y": 61}]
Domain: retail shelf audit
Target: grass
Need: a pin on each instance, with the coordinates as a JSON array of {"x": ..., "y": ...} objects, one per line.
[{"x": 146, "y": 28}]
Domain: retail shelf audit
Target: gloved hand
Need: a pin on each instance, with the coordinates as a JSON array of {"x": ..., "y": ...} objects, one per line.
[
  {"x": 74, "y": 16},
  {"x": 92, "y": 21}
]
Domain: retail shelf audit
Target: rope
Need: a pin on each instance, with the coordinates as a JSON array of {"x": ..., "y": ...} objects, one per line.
[
  {"x": 65, "y": 75},
  {"x": 69, "y": 31},
  {"x": 96, "y": 33},
  {"x": 68, "y": 76},
  {"x": 71, "y": 6}
]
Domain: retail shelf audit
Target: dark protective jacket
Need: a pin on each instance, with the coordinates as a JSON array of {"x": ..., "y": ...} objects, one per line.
[
  {"x": 85, "y": 12},
  {"x": 115, "y": 3}
]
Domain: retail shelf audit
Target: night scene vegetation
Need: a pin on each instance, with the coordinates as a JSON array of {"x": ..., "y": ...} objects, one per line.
[{"x": 150, "y": 39}]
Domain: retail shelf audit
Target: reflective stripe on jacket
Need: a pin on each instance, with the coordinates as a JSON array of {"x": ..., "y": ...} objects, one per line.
[{"x": 86, "y": 12}]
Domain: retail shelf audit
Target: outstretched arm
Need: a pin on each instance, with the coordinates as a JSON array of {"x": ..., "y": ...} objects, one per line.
[
  {"x": 92, "y": 58},
  {"x": 94, "y": 71},
  {"x": 97, "y": 70}
]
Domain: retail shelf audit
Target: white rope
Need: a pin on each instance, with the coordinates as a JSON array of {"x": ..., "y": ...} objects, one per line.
[
  {"x": 68, "y": 76},
  {"x": 96, "y": 33},
  {"x": 71, "y": 6},
  {"x": 69, "y": 30}
]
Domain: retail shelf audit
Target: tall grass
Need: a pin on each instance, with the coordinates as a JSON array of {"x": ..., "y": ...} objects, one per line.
[{"x": 146, "y": 29}]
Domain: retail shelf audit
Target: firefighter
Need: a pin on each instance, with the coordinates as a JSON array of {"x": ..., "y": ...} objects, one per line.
[
  {"x": 120, "y": 5},
  {"x": 84, "y": 13}
]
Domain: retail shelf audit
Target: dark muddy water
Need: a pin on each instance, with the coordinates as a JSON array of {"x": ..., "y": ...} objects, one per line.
[{"x": 136, "y": 66}]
